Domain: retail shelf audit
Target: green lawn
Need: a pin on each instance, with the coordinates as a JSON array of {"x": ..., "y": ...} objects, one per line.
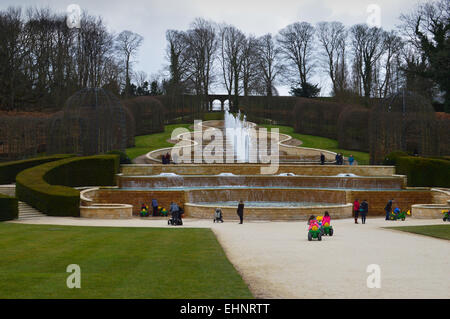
[
  {"x": 147, "y": 143},
  {"x": 322, "y": 143},
  {"x": 115, "y": 263},
  {"x": 438, "y": 231}
]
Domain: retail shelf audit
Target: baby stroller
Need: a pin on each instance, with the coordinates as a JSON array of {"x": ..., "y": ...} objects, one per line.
[
  {"x": 176, "y": 220},
  {"x": 218, "y": 216}
]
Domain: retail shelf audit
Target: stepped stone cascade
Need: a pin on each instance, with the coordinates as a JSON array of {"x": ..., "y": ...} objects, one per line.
[{"x": 26, "y": 212}]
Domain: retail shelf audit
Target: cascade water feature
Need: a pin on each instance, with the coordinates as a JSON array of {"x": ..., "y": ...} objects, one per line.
[{"x": 237, "y": 133}]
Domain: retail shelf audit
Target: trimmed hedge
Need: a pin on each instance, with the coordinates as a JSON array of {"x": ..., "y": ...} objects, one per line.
[
  {"x": 9, "y": 208},
  {"x": 9, "y": 170},
  {"x": 421, "y": 171},
  {"x": 48, "y": 187}
]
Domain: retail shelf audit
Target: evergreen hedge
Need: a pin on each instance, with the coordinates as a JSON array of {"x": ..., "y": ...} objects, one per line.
[
  {"x": 9, "y": 170},
  {"x": 48, "y": 187},
  {"x": 9, "y": 208},
  {"x": 421, "y": 171}
]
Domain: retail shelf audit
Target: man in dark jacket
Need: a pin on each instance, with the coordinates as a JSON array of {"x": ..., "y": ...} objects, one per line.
[
  {"x": 240, "y": 211},
  {"x": 155, "y": 207},
  {"x": 322, "y": 159},
  {"x": 388, "y": 209}
]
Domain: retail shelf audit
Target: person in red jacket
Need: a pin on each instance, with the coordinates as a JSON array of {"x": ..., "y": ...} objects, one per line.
[{"x": 356, "y": 210}]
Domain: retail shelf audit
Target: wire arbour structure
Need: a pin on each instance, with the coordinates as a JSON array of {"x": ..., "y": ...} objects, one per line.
[
  {"x": 404, "y": 121},
  {"x": 93, "y": 121}
]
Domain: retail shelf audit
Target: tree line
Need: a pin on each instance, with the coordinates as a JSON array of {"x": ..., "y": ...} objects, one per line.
[
  {"x": 43, "y": 61},
  {"x": 360, "y": 60}
]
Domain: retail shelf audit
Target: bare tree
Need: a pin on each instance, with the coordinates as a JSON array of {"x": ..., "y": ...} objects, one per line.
[
  {"x": 269, "y": 65},
  {"x": 178, "y": 57},
  {"x": 127, "y": 44},
  {"x": 231, "y": 57},
  {"x": 332, "y": 37},
  {"x": 393, "y": 45},
  {"x": 249, "y": 65},
  {"x": 367, "y": 45},
  {"x": 296, "y": 43}
]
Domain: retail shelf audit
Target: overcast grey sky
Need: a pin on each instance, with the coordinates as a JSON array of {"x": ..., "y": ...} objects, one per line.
[{"x": 152, "y": 18}]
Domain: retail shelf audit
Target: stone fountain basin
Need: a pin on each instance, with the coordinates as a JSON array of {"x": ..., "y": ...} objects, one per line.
[
  {"x": 269, "y": 213},
  {"x": 229, "y": 179}
]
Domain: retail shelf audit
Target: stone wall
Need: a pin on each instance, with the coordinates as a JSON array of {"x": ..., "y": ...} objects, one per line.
[
  {"x": 255, "y": 169},
  {"x": 376, "y": 199},
  {"x": 269, "y": 213},
  {"x": 107, "y": 211},
  {"x": 430, "y": 211}
]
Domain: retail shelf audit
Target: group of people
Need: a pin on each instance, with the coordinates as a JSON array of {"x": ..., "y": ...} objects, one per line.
[
  {"x": 339, "y": 159},
  {"x": 360, "y": 209},
  {"x": 166, "y": 158}
]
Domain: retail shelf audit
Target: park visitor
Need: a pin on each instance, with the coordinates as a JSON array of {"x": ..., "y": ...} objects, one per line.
[
  {"x": 155, "y": 207},
  {"x": 388, "y": 208},
  {"x": 351, "y": 160},
  {"x": 364, "y": 209},
  {"x": 240, "y": 211},
  {"x": 356, "y": 210}
]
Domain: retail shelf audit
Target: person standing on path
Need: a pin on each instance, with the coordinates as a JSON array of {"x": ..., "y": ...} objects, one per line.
[
  {"x": 351, "y": 159},
  {"x": 322, "y": 159},
  {"x": 155, "y": 207},
  {"x": 364, "y": 209},
  {"x": 388, "y": 208},
  {"x": 240, "y": 211},
  {"x": 356, "y": 210}
]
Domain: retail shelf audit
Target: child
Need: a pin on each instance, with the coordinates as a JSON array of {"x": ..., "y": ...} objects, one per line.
[
  {"x": 312, "y": 222},
  {"x": 326, "y": 219}
]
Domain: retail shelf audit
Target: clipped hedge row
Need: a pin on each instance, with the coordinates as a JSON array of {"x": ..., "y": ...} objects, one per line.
[
  {"x": 48, "y": 187},
  {"x": 9, "y": 170},
  {"x": 9, "y": 208},
  {"x": 421, "y": 171}
]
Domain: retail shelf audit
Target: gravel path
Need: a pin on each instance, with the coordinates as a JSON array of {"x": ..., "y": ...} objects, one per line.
[{"x": 277, "y": 261}]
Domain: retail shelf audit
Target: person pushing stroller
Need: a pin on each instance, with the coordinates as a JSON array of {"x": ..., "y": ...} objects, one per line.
[
  {"x": 218, "y": 217},
  {"x": 175, "y": 212}
]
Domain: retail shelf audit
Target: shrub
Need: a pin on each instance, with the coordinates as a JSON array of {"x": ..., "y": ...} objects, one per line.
[
  {"x": 48, "y": 187},
  {"x": 8, "y": 208},
  {"x": 148, "y": 114},
  {"x": 421, "y": 171},
  {"x": 9, "y": 170},
  {"x": 315, "y": 117}
]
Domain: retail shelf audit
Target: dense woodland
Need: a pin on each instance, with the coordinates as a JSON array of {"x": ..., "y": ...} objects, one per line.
[{"x": 43, "y": 62}]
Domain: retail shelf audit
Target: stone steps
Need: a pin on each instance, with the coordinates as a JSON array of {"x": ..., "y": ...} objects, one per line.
[{"x": 25, "y": 211}]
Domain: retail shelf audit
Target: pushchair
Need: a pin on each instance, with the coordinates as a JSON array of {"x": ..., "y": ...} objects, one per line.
[
  {"x": 218, "y": 216},
  {"x": 176, "y": 220}
]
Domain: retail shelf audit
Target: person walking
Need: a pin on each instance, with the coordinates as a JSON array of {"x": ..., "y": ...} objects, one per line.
[
  {"x": 364, "y": 209},
  {"x": 388, "y": 208},
  {"x": 240, "y": 211},
  {"x": 356, "y": 210},
  {"x": 322, "y": 159}
]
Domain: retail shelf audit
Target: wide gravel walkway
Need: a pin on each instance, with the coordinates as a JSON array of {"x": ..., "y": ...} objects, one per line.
[{"x": 277, "y": 261}]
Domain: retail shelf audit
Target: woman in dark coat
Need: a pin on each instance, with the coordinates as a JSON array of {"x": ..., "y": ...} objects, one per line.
[
  {"x": 240, "y": 211},
  {"x": 364, "y": 209}
]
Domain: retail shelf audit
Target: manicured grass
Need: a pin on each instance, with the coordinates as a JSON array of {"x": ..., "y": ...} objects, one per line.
[
  {"x": 148, "y": 143},
  {"x": 324, "y": 143},
  {"x": 115, "y": 263},
  {"x": 438, "y": 231}
]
